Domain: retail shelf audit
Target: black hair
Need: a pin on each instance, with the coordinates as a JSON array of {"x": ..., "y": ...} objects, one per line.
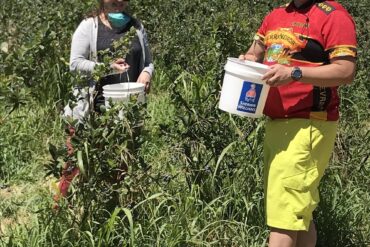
[{"x": 100, "y": 9}]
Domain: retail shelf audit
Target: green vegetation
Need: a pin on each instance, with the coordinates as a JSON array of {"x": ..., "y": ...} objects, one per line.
[{"x": 194, "y": 174}]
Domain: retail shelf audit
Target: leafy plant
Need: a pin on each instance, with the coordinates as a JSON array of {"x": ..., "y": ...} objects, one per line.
[
  {"x": 196, "y": 175},
  {"x": 120, "y": 49}
]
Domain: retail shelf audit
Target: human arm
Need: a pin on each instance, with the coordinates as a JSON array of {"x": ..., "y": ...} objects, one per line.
[
  {"x": 255, "y": 52},
  {"x": 80, "y": 49},
  {"x": 341, "y": 49},
  {"x": 145, "y": 78},
  {"x": 340, "y": 71},
  {"x": 147, "y": 73}
]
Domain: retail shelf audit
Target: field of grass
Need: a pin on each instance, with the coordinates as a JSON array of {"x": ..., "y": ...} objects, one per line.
[{"x": 194, "y": 173}]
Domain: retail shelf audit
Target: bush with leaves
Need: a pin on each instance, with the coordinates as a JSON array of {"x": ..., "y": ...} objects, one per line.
[
  {"x": 105, "y": 143},
  {"x": 204, "y": 186},
  {"x": 106, "y": 154},
  {"x": 120, "y": 49}
]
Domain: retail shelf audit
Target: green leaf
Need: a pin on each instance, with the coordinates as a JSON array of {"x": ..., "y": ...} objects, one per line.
[{"x": 131, "y": 222}]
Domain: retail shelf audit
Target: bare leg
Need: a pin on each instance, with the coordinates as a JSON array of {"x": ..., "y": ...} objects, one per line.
[
  {"x": 282, "y": 238},
  {"x": 307, "y": 239}
]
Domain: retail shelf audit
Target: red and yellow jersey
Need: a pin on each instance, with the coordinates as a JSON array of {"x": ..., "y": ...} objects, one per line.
[{"x": 309, "y": 36}]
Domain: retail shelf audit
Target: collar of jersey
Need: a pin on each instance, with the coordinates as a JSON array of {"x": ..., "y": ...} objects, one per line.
[{"x": 303, "y": 6}]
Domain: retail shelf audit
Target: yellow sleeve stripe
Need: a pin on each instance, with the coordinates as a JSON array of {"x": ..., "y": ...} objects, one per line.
[
  {"x": 342, "y": 52},
  {"x": 342, "y": 46},
  {"x": 259, "y": 36}
]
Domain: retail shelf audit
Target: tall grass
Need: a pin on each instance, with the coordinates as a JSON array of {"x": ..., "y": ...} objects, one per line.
[{"x": 199, "y": 171}]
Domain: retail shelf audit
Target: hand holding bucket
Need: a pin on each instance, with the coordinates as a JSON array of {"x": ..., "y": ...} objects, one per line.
[{"x": 243, "y": 91}]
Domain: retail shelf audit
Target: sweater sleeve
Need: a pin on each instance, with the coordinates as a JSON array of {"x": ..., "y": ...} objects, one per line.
[
  {"x": 80, "y": 49},
  {"x": 148, "y": 62}
]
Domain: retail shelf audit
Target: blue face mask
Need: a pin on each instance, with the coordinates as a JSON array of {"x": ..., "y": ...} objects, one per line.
[{"x": 118, "y": 20}]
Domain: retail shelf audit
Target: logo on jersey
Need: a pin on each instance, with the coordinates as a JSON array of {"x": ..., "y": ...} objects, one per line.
[
  {"x": 282, "y": 43},
  {"x": 325, "y": 7}
]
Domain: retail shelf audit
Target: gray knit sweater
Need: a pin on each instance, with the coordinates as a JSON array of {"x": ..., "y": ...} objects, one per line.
[{"x": 84, "y": 53}]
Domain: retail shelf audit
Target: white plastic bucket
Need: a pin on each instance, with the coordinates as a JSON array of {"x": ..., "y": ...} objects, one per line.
[
  {"x": 123, "y": 91},
  {"x": 243, "y": 91}
]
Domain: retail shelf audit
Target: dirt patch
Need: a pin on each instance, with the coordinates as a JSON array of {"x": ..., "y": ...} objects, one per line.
[
  {"x": 9, "y": 192},
  {"x": 16, "y": 203}
]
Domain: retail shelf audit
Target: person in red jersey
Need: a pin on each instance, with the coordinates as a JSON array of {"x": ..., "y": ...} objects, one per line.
[{"x": 310, "y": 47}]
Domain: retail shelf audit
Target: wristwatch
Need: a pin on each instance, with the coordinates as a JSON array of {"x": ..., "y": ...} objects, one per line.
[{"x": 296, "y": 74}]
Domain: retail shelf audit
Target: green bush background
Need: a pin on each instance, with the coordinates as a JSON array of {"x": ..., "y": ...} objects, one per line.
[{"x": 204, "y": 185}]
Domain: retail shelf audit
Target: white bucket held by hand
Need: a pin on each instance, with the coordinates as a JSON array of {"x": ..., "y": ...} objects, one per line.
[
  {"x": 123, "y": 91},
  {"x": 243, "y": 91}
]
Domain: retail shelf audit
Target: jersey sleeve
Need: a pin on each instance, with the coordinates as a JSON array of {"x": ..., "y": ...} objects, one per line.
[
  {"x": 340, "y": 35},
  {"x": 261, "y": 32}
]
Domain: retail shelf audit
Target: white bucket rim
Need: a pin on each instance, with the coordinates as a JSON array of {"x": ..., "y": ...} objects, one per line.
[
  {"x": 116, "y": 97},
  {"x": 124, "y": 87},
  {"x": 248, "y": 63},
  {"x": 115, "y": 93},
  {"x": 120, "y": 94},
  {"x": 241, "y": 73}
]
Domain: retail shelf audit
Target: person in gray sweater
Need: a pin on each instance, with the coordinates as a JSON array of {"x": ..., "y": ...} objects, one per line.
[{"x": 97, "y": 33}]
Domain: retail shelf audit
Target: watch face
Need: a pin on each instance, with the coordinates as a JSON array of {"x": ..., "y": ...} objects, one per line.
[{"x": 296, "y": 74}]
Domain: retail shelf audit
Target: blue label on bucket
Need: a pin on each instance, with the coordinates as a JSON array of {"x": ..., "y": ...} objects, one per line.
[{"x": 249, "y": 97}]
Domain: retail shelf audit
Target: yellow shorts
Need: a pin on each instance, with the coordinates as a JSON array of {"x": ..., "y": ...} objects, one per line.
[{"x": 296, "y": 154}]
